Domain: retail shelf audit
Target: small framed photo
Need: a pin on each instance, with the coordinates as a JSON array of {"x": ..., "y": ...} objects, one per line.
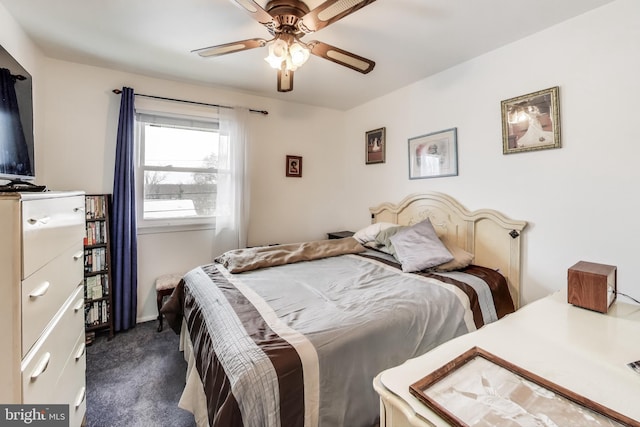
[
  {"x": 434, "y": 155},
  {"x": 375, "y": 145},
  {"x": 479, "y": 388},
  {"x": 531, "y": 122},
  {"x": 294, "y": 166}
]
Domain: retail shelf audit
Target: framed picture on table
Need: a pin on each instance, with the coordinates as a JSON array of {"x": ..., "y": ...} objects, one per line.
[{"x": 479, "y": 388}]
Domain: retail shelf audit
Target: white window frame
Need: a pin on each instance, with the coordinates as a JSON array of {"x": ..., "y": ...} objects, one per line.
[{"x": 168, "y": 224}]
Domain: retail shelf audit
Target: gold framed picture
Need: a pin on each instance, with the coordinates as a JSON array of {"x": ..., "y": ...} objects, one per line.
[{"x": 531, "y": 122}]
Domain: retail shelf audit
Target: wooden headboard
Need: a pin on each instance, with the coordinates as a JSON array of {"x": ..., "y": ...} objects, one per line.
[{"x": 493, "y": 238}]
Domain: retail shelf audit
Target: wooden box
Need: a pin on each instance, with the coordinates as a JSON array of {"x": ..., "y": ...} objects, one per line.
[{"x": 592, "y": 286}]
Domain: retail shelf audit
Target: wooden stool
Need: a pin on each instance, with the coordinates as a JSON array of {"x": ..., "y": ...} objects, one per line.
[{"x": 164, "y": 287}]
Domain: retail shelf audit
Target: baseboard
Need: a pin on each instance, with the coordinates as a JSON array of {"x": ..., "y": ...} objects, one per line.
[{"x": 146, "y": 319}]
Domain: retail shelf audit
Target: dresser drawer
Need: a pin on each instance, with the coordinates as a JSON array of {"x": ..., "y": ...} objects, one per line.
[
  {"x": 71, "y": 384},
  {"x": 46, "y": 290},
  {"x": 44, "y": 364},
  {"x": 50, "y": 226}
]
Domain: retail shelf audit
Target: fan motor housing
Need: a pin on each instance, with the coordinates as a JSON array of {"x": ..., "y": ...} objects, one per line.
[{"x": 287, "y": 12}]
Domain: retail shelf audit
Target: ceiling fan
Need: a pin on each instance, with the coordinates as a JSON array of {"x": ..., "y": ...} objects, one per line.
[{"x": 288, "y": 21}]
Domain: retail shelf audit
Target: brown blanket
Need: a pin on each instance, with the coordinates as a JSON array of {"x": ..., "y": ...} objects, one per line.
[{"x": 239, "y": 260}]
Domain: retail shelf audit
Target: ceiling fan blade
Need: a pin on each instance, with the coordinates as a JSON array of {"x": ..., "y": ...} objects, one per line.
[
  {"x": 257, "y": 12},
  {"x": 329, "y": 12},
  {"x": 285, "y": 80},
  {"x": 340, "y": 56},
  {"x": 223, "y": 49}
]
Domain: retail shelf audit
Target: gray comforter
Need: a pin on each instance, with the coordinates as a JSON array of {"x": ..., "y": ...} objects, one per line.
[{"x": 299, "y": 344}]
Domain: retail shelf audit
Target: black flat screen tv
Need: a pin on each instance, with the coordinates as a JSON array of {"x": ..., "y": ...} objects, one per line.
[{"x": 16, "y": 122}]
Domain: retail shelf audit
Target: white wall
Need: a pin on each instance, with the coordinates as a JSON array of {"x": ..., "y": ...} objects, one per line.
[
  {"x": 581, "y": 201},
  {"x": 78, "y": 147}
]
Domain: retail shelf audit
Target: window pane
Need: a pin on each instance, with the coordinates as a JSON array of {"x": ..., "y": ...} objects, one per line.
[
  {"x": 166, "y": 146},
  {"x": 178, "y": 169},
  {"x": 178, "y": 194}
]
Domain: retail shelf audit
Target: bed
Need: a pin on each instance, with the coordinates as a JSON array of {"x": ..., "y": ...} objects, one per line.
[{"x": 293, "y": 335}]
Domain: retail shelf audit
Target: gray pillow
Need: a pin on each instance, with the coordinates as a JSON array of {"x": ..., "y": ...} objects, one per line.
[
  {"x": 418, "y": 247},
  {"x": 383, "y": 239}
]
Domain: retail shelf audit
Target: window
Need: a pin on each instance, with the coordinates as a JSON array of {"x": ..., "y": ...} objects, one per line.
[{"x": 178, "y": 159}]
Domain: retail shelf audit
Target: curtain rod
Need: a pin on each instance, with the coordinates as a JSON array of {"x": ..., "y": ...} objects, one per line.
[{"x": 118, "y": 92}]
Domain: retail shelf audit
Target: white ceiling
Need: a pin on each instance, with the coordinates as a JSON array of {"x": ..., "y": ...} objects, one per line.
[{"x": 408, "y": 39}]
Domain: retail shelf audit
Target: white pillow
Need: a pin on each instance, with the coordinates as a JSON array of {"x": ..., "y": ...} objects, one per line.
[
  {"x": 370, "y": 232},
  {"x": 418, "y": 247}
]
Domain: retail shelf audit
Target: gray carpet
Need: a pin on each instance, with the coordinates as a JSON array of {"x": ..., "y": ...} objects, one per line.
[{"x": 135, "y": 379}]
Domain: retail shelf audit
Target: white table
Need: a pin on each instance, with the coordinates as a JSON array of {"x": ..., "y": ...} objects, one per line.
[{"x": 581, "y": 350}]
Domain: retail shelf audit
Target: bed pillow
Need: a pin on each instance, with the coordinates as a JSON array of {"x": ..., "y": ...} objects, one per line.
[
  {"x": 461, "y": 258},
  {"x": 418, "y": 247},
  {"x": 383, "y": 239},
  {"x": 368, "y": 234}
]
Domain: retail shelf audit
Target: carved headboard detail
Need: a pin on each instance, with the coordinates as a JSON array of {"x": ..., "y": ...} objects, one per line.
[{"x": 492, "y": 237}]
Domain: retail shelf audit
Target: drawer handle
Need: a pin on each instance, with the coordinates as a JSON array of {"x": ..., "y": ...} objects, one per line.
[
  {"x": 34, "y": 221},
  {"x": 40, "y": 291},
  {"x": 78, "y": 256},
  {"x": 80, "y": 397},
  {"x": 42, "y": 366},
  {"x": 78, "y": 210},
  {"x": 78, "y": 305},
  {"x": 80, "y": 351}
]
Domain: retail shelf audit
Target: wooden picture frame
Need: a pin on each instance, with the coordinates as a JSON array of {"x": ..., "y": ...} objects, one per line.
[
  {"x": 375, "y": 144},
  {"x": 293, "y": 167},
  {"x": 531, "y": 122},
  {"x": 434, "y": 155},
  {"x": 478, "y": 386}
]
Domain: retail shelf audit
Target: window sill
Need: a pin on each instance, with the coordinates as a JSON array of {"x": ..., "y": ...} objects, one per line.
[{"x": 173, "y": 228}]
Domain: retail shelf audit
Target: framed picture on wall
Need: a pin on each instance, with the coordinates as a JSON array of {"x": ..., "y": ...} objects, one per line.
[
  {"x": 531, "y": 122},
  {"x": 294, "y": 166},
  {"x": 434, "y": 155},
  {"x": 375, "y": 145}
]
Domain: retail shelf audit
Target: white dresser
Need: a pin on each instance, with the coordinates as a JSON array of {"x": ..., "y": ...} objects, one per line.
[
  {"x": 581, "y": 350},
  {"x": 42, "y": 360}
]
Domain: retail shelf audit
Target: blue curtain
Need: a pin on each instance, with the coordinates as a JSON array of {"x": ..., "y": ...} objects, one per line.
[{"x": 124, "y": 244}]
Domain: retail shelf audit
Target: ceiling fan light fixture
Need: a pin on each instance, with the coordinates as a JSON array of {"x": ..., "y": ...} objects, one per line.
[
  {"x": 290, "y": 54},
  {"x": 273, "y": 61},
  {"x": 299, "y": 54},
  {"x": 278, "y": 52}
]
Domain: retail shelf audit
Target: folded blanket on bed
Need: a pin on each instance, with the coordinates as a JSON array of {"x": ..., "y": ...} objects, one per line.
[{"x": 239, "y": 260}]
